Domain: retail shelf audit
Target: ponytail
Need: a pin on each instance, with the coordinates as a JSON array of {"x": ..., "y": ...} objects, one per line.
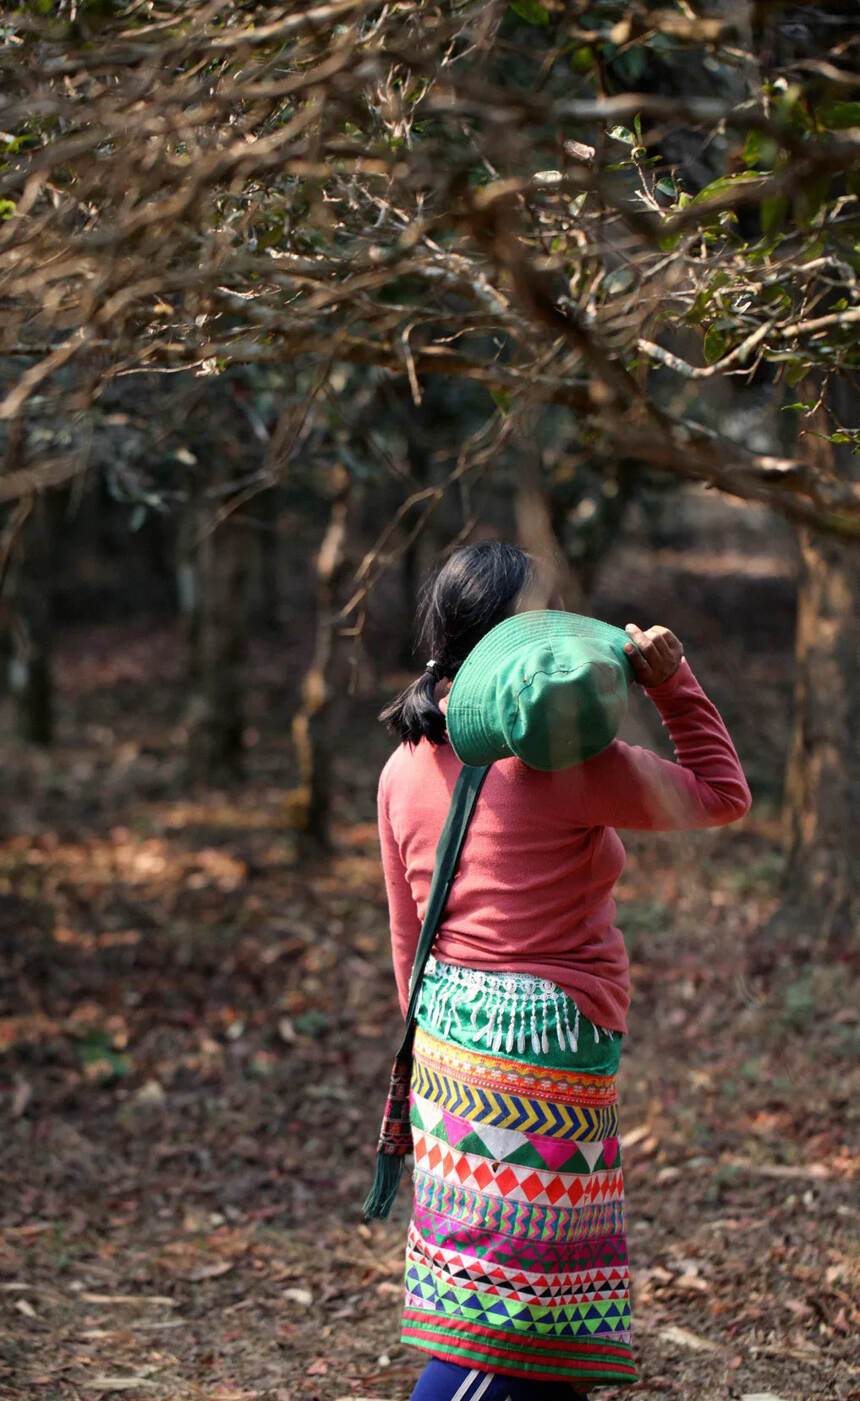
[
  {"x": 414, "y": 714},
  {"x": 476, "y": 587}
]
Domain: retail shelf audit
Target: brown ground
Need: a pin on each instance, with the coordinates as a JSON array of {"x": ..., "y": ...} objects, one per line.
[{"x": 197, "y": 1029}]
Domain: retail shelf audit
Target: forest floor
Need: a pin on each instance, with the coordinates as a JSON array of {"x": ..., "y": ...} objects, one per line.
[{"x": 198, "y": 1022}]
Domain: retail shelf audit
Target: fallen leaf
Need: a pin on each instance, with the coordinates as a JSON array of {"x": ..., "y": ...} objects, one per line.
[
  {"x": 299, "y": 1296},
  {"x": 150, "y": 1095},
  {"x": 685, "y": 1338},
  {"x": 318, "y": 1368},
  {"x": 114, "y": 1383},
  {"x": 128, "y": 1299},
  {"x": 21, "y": 1096},
  {"x": 213, "y": 1271}
]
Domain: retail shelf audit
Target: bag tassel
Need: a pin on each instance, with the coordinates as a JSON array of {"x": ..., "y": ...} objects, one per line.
[
  {"x": 380, "y": 1198},
  {"x": 395, "y": 1137}
]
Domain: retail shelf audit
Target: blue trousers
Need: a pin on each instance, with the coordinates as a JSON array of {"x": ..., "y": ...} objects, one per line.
[{"x": 445, "y": 1381}]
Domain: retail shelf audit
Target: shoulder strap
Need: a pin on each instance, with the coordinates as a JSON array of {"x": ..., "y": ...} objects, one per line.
[{"x": 463, "y": 799}]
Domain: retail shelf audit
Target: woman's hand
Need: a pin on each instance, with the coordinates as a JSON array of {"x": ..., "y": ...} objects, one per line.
[{"x": 655, "y": 655}]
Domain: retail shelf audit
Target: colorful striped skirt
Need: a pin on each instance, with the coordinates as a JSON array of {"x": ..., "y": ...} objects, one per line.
[{"x": 516, "y": 1258}]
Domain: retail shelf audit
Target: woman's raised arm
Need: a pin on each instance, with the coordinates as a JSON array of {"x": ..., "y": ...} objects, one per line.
[{"x": 630, "y": 787}]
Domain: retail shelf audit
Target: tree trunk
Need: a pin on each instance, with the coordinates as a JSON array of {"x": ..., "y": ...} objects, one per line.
[
  {"x": 216, "y": 715},
  {"x": 555, "y": 584},
  {"x": 30, "y": 589},
  {"x": 820, "y": 911},
  {"x": 823, "y": 781},
  {"x": 308, "y": 805},
  {"x": 188, "y": 584}
]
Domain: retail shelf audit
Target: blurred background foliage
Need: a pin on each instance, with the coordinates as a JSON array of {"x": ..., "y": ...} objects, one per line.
[{"x": 351, "y": 282}]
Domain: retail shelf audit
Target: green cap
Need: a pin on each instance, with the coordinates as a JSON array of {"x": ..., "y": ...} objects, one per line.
[{"x": 545, "y": 687}]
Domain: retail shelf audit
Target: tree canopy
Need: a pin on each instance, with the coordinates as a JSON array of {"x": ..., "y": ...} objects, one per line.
[{"x": 615, "y": 208}]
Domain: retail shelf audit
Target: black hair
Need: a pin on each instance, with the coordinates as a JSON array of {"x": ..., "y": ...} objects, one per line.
[{"x": 476, "y": 588}]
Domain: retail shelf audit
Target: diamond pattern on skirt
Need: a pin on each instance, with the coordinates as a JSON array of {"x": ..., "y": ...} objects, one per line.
[{"x": 512, "y": 1182}]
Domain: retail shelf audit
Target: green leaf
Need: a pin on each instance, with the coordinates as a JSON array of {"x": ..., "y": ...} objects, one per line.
[
  {"x": 530, "y": 11},
  {"x": 311, "y": 1023},
  {"x": 724, "y": 184},
  {"x": 104, "y": 1063},
  {"x": 630, "y": 64},
  {"x": 582, "y": 59},
  {"x": 8, "y": 208},
  {"x": 622, "y": 133},
  {"x": 752, "y": 148},
  {"x": 502, "y": 399},
  {"x": 795, "y": 371},
  {"x": 772, "y": 213},
  {"x": 809, "y": 198},
  {"x": 776, "y": 296},
  {"x": 839, "y": 115},
  {"x": 621, "y": 280},
  {"x": 759, "y": 151},
  {"x": 715, "y": 344},
  {"x": 699, "y": 310}
]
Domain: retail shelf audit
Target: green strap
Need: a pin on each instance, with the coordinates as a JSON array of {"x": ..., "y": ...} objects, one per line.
[{"x": 463, "y": 799}]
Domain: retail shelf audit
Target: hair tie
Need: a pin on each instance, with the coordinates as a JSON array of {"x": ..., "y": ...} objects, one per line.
[{"x": 433, "y": 667}]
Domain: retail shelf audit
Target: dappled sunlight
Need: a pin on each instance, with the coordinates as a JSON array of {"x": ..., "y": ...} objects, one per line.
[
  {"x": 149, "y": 865},
  {"x": 203, "y": 1018}
]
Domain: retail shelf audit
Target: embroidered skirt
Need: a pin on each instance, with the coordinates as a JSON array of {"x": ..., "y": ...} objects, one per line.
[{"x": 516, "y": 1258}]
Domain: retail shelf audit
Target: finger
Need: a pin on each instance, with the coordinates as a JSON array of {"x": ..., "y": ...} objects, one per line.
[
  {"x": 637, "y": 649},
  {"x": 663, "y": 635},
  {"x": 665, "y": 646},
  {"x": 660, "y": 644}
]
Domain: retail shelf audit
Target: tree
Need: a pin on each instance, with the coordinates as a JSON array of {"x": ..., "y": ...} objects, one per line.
[
  {"x": 615, "y": 210},
  {"x": 821, "y": 904},
  {"x": 29, "y": 588},
  {"x": 480, "y": 190}
]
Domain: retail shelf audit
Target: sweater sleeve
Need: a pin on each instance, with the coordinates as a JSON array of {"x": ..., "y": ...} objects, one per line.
[
  {"x": 402, "y": 911},
  {"x": 630, "y": 787}
]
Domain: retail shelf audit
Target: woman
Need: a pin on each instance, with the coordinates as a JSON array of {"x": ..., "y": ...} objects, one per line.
[{"x": 516, "y": 1269}]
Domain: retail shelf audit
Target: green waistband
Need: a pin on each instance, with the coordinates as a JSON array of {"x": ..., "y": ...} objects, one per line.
[{"x": 515, "y": 1015}]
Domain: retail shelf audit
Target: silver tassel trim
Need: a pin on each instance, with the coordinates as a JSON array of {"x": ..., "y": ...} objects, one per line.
[{"x": 521, "y": 1010}]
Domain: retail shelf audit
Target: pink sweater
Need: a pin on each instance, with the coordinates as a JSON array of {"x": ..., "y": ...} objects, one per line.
[{"x": 533, "y": 893}]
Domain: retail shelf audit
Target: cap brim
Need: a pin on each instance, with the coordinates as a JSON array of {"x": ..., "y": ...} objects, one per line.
[{"x": 469, "y": 735}]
